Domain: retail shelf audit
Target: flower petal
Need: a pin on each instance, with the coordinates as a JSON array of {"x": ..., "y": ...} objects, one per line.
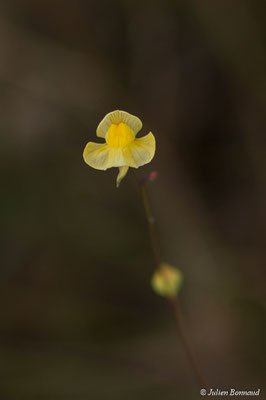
[
  {"x": 122, "y": 173},
  {"x": 115, "y": 117},
  {"x": 98, "y": 155},
  {"x": 102, "y": 156},
  {"x": 140, "y": 152}
]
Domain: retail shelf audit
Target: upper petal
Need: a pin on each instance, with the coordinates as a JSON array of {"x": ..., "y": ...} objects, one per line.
[
  {"x": 140, "y": 152},
  {"x": 115, "y": 117}
]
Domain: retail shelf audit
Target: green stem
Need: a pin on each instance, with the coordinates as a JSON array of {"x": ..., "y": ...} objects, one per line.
[
  {"x": 173, "y": 302},
  {"x": 151, "y": 225}
]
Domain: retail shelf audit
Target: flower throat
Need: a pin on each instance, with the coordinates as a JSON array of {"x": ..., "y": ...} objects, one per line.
[{"x": 119, "y": 135}]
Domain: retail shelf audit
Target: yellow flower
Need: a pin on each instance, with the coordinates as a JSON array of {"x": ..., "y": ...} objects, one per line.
[
  {"x": 122, "y": 149},
  {"x": 167, "y": 280}
]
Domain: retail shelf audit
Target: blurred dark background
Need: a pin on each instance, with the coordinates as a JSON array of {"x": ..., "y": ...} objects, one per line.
[{"x": 78, "y": 319}]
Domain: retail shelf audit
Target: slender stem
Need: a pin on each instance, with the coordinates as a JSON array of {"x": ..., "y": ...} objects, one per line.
[
  {"x": 150, "y": 221},
  {"x": 172, "y": 301}
]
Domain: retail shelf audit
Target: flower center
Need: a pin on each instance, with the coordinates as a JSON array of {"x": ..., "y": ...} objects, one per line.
[{"x": 119, "y": 135}]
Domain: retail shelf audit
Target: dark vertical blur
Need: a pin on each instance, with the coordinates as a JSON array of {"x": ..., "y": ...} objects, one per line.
[{"x": 78, "y": 318}]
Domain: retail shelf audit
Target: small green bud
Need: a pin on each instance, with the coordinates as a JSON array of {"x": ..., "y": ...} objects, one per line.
[{"x": 167, "y": 280}]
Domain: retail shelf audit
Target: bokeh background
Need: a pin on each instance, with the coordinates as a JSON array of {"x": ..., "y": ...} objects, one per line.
[{"x": 78, "y": 319}]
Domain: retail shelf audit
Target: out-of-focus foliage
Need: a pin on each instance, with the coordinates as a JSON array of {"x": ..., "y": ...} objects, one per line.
[{"x": 78, "y": 318}]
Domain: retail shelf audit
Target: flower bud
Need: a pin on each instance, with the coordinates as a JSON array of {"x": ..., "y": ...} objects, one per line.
[
  {"x": 167, "y": 280},
  {"x": 153, "y": 175}
]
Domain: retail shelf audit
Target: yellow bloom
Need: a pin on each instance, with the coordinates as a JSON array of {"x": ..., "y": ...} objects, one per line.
[
  {"x": 122, "y": 149},
  {"x": 167, "y": 280}
]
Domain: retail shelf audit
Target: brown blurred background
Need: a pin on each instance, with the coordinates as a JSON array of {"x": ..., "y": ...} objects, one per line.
[{"x": 78, "y": 319}]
